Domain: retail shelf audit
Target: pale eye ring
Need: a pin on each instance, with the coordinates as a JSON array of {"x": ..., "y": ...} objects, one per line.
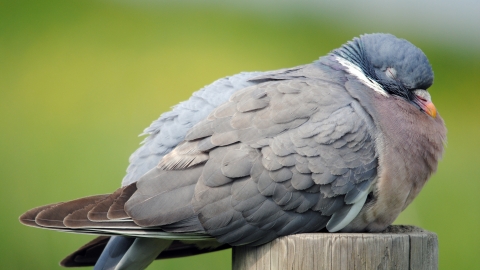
[{"x": 391, "y": 73}]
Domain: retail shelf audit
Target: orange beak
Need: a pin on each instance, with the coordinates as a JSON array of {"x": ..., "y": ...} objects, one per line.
[
  {"x": 430, "y": 109},
  {"x": 427, "y": 106}
]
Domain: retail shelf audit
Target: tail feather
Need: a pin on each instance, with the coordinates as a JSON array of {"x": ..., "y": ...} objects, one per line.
[
  {"x": 79, "y": 219},
  {"x": 130, "y": 246},
  {"x": 100, "y": 210},
  {"x": 73, "y": 216},
  {"x": 28, "y": 218},
  {"x": 54, "y": 216},
  {"x": 88, "y": 254},
  {"x": 116, "y": 210}
]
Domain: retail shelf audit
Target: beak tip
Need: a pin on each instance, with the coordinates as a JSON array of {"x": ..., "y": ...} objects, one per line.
[{"x": 431, "y": 110}]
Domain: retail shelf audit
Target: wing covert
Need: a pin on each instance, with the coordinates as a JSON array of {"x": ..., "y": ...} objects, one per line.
[
  {"x": 278, "y": 158},
  {"x": 307, "y": 150}
]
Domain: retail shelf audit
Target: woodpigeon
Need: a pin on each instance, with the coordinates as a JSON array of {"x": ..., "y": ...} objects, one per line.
[{"x": 343, "y": 144}]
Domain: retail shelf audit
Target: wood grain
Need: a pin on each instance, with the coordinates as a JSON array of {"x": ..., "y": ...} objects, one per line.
[{"x": 398, "y": 247}]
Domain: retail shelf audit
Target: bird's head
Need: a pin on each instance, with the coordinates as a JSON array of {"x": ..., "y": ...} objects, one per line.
[{"x": 391, "y": 66}]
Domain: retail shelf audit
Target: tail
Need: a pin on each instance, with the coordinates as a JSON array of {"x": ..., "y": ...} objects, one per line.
[{"x": 130, "y": 245}]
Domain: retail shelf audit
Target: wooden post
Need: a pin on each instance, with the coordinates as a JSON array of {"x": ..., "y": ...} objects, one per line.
[{"x": 398, "y": 247}]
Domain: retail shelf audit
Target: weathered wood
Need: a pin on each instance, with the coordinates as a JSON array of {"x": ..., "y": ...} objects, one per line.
[{"x": 399, "y": 247}]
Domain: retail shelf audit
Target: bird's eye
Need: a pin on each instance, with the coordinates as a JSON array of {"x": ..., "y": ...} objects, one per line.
[{"x": 391, "y": 73}]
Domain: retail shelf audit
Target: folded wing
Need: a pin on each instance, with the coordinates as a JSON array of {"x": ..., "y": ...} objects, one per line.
[{"x": 289, "y": 154}]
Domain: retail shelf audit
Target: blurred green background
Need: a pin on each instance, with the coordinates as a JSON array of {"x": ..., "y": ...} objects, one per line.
[{"x": 79, "y": 80}]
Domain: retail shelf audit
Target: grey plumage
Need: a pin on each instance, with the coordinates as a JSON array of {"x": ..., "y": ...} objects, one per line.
[
  {"x": 342, "y": 144},
  {"x": 114, "y": 252},
  {"x": 169, "y": 130},
  {"x": 141, "y": 253}
]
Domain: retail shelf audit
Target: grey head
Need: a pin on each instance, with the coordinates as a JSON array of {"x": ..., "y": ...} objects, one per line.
[{"x": 398, "y": 66}]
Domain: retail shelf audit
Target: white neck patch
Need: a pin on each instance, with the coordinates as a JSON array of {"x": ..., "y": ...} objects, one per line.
[{"x": 357, "y": 72}]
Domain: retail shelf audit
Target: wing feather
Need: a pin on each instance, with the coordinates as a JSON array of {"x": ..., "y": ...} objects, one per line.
[{"x": 284, "y": 155}]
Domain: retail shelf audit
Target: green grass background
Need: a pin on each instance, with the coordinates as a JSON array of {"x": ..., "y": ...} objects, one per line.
[{"x": 79, "y": 80}]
